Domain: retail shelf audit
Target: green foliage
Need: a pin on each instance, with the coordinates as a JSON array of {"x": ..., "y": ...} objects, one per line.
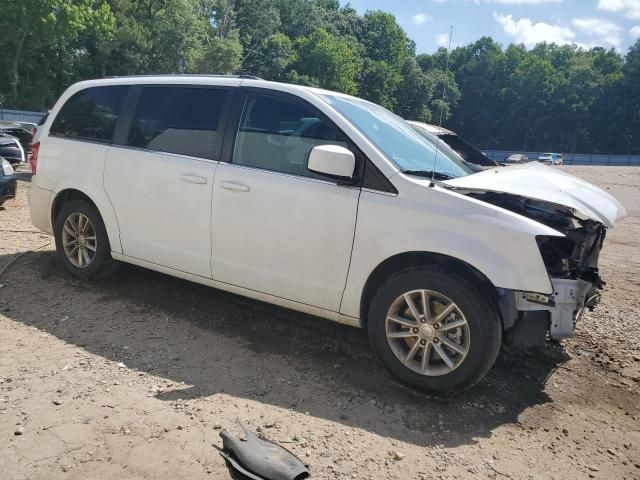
[
  {"x": 556, "y": 98},
  {"x": 330, "y": 61},
  {"x": 379, "y": 82},
  {"x": 384, "y": 40}
]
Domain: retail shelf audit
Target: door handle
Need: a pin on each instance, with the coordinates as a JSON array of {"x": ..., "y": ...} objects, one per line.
[
  {"x": 193, "y": 178},
  {"x": 235, "y": 186}
]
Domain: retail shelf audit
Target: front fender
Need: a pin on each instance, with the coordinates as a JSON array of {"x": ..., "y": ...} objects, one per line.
[{"x": 498, "y": 243}]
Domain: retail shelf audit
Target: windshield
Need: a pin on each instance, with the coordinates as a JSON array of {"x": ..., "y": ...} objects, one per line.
[{"x": 396, "y": 138}]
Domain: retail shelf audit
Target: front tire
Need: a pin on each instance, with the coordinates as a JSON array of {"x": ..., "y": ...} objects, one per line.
[
  {"x": 82, "y": 243},
  {"x": 434, "y": 330}
]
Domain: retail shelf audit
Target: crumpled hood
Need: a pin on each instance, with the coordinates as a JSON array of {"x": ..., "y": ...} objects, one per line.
[{"x": 540, "y": 182}]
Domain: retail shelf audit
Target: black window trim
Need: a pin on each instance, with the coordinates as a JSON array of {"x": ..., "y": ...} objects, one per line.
[
  {"x": 125, "y": 119},
  {"x": 105, "y": 142}
]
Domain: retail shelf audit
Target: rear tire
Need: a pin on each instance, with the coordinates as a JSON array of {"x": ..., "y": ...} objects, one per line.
[
  {"x": 450, "y": 346},
  {"x": 82, "y": 243}
]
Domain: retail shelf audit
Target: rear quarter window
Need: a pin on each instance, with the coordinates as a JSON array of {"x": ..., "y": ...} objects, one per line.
[{"x": 90, "y": 114}]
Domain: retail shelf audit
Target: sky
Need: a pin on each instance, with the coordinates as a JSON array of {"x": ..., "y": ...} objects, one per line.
[{"x": 587, "y": 23}]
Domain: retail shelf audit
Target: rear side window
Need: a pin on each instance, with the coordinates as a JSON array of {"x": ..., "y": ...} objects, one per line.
[
  {"x": 91, "y": 114},
  {"x": 182, "y": 120}
]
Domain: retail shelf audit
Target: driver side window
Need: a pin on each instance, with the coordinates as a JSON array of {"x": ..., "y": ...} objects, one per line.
[{"x": 278, "y": 134}]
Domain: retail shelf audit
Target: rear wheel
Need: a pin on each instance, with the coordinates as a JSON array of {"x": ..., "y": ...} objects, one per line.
[
  {"x": 434, "y": 330},
  {"x": 82, "y": 244}
]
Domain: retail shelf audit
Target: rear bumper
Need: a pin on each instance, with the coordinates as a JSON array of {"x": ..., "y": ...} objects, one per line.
[
  {"x": 565, "y": 305},
  {"x": 40, "y": 208}
]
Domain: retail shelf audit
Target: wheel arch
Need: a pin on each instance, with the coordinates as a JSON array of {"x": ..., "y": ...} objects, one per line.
[
  {"x": 68, "y": 194},
  {"x": 404, "y": 260}
]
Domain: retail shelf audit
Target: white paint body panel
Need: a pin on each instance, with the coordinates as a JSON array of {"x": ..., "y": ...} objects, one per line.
[
  {"x": 298, "y": 242},
  {"x": 163, "y": 206},
  {"x": 283, "y": 235},
  {"x": 79, "y": 165},
  {"x": 540, "y": 182},
  {"x": 498, "y": 243}
]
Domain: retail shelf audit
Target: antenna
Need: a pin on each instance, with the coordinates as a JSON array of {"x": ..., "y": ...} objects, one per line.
[{"x": 444, "y": 95}]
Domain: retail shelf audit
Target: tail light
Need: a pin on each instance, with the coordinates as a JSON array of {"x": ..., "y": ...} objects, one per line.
[{"x": 34, "y": 157}]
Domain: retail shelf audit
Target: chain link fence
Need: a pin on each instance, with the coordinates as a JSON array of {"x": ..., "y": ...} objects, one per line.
[{"x": 573, "y": 158}]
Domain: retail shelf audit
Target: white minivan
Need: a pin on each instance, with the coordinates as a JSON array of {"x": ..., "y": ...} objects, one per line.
[{"x": 323, "y": 203}]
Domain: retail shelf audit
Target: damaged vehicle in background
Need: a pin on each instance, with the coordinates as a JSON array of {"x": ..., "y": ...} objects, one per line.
[
  {"x": 323, "y": 203},
  {"x": 11, "y": 150},
  {"x": 464, "y": 150},
  {"x": 20, "y": 131}
]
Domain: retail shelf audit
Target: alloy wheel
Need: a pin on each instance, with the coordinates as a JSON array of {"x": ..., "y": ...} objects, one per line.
[
  {"x": 427, "y": 332},
  {"x": 79, "y": 240}
]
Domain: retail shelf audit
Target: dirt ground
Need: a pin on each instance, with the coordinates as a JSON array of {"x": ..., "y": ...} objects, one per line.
[{"x": 133, "y": 377}]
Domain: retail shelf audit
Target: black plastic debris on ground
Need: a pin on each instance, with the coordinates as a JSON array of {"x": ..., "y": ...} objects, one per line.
[{"x": 257, "y": 458}]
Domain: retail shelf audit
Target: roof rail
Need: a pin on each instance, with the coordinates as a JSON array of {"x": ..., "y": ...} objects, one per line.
[{"x": 242, "y": 76}]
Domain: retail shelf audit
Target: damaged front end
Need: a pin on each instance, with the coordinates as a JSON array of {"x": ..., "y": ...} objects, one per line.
[{"x": 572, "y": 264}]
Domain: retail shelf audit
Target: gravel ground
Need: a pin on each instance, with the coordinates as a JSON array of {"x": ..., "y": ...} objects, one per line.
[{"x": 134, "y": 377}]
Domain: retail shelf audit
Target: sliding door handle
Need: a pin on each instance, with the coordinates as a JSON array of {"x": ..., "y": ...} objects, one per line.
[
  {"x": 239, "y": 187},
  {"x": 193, "y": 178}
]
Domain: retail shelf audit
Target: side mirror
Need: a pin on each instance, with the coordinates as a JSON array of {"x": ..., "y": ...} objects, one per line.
[{"x": 332, "y": 160}]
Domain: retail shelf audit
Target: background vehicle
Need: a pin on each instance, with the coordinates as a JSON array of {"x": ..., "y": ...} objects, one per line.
[
  {"x": 445, "y": 149},
  {"x": 467, "y": 152},
  {"x": 323, "y": 203},
  {"x": 516, "y": 158},
  {"x": 31, "y": 126},
  {"x": 22, "y": 133},
  {"x": 11, "y": 149},
  {"x": 8, "y": 181},
  {"x": 551, "y": 158}
]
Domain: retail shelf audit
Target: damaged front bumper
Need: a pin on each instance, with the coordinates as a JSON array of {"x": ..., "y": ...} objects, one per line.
[{"x": 564, "y": 306}]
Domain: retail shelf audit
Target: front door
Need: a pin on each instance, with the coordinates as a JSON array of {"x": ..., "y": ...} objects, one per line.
[{"x": 278, "y": 228}]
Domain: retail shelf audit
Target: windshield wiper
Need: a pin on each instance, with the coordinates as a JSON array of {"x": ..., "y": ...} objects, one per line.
[{"x": 430, "y": 174}]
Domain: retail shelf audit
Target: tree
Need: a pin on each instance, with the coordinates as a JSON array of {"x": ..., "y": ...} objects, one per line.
[
  {"x": 31, "y": 28},
  {"x": 273, "y": 57},
  {"x": 378, "y": 83},
  {"x": 384, "y": 40},
  {"x": 414, "y": 92},
  {"x": 550, "y": 97},
  {"x": 257, "y": 21},
  {"x": 329, "y": 60},
  {"x": 217, "y": 43},
  {"x": 630, "y": 94}
]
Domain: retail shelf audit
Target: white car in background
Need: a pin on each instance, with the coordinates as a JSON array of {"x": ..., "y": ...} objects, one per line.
[
  {"x": 323, "y": 203},
  {"x": 516, "y": 158},
  {"x": 551, "y": 158}
]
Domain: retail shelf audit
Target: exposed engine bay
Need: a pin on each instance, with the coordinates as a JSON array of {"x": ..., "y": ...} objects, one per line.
[
  {"x": 571, "y": 261},
  {"x": 573, "y": 256}
]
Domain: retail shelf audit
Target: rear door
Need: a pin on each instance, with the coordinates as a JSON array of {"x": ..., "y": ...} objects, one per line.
[
  {"x": 279, "y": 228},
  {"x": 159, "y": 175}
]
